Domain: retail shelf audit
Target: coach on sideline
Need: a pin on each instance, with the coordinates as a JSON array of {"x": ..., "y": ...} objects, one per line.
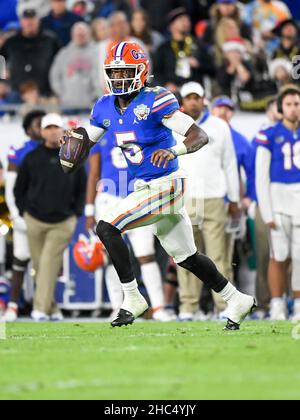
[
  {"x": 213, "y": 175},
  {"x": 50, "y": 202}
]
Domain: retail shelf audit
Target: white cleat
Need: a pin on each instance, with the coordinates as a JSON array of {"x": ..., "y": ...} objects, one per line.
[
  {"x": 161, "y": 315},
  {"x": 278, "y": 311},
  {"x": 239, "y": 307},
  {"x": 38, "y": 316},
  {"x": 136, "y": 304},
  {"x": 11, "y": 313},
  {"x": 132, "y": 308},
  {"x": 57, "y": 317}
]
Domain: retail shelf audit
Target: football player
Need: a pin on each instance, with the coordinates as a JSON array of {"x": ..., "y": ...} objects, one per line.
[
  {"x": 278, "y": 191},
  {"x": 32, "y": 127},
  {"x": 108, "y": 162},
  {"x": 141, "y": 119}
]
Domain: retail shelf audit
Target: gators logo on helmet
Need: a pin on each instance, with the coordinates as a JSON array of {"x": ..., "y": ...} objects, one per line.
[{"x": 126, "y": 56}]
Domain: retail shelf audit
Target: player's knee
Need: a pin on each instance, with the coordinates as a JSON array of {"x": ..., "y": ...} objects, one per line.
[
  {"x": 106, "y": 231},
  {"x": 20, "y": 265}
]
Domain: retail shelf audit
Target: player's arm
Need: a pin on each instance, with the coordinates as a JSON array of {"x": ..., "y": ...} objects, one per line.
[
  {"x": 93, "y": 179},
  {"x": 184, "y": 125}
]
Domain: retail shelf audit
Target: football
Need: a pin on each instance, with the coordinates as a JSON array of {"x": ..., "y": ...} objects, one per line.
[{"x": 75, "y": 149}]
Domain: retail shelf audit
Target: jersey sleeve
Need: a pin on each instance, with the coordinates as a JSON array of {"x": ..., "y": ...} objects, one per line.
[
  {"x": 13, "y": 157},
  {"x": 263, "y": 139},
  {"x": 96, "y": 119},
  {"x": 165, "y": 104}
]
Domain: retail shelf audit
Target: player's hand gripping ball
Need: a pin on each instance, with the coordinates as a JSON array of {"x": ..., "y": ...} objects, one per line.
[{"x": 75, "y": 147}]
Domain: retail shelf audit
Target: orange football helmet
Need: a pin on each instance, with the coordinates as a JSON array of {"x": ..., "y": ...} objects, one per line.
[
  {"x": 123, "y": 56},
  {"x": 89, "y": 253}
]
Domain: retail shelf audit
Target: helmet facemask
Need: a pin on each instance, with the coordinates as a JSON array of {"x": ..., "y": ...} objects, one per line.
[{"x": 135, "y": 83}]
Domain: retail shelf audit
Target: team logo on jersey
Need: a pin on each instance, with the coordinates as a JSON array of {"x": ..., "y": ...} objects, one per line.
[
  {"x": 142, "y": 112},
  {"x": 106, "y": 123},
  {"x": 279, "y": 140}
]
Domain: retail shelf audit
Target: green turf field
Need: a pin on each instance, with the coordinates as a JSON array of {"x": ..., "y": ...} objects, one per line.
[{"x": 150, "y": 361}]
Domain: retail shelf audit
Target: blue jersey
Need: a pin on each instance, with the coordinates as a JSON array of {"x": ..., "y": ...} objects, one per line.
[
  {"x": 139, "y": 131},
  {"x": 244, "y": 154},
  {"x": 17, "y": 155},
  {"x": 115, "y": 177},
  {"x": 284, "y": 146}
]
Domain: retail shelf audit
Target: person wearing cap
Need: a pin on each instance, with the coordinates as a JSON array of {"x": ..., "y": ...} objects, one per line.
[
  {"x": 212, "y": 174},
  {"x": 29, "y": 53},
  {"x": 182, "y": 58},
  {"x": 50, "y": 202},
  {"x": 223, "y": 107}
]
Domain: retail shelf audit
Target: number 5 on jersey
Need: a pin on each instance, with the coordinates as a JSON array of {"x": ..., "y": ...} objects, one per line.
[{"x": 127, "y": 142}]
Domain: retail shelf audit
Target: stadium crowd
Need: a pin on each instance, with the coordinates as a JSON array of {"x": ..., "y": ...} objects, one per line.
[{"x": 218, "y": 57}]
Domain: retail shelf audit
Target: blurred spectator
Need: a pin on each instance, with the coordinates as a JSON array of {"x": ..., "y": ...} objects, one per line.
[
  {"x": 225, "y": 9},
  {"x": 289, "y": 34},
  {"x": 104, "y": 8},
  {"x": 158, "y": 10},
  {"x": 182, "y": 58},
  {"x": 4, "y": 95},
  {"x": 32, "y": 99},
  {"x": 281, "y": 72},
  {"x": 73, "y": 75},
  {"x": 60, "y": 21},
  {"x": 227, "y": 30},
  {"x": 119, "y": 29},
  {"x": 30, "y": 53},
  {"x": 50, "y": 202},
  {"x": 141, "y": 29},
  {"x": 206, "y": 203},
  {"x": 80, "y": 8},
  {"x": 100, "y": 29},
  {"x": 263, "y": 16},
  {"x": 236, "y": 72}
]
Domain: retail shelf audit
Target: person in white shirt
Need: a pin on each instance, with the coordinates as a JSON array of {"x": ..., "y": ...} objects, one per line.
[
  {"x": 278, "y": 191},
  {"x": 212, "y": 175}
]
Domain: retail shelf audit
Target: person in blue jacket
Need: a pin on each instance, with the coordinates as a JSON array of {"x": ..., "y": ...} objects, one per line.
[{"x": 60, "y": 21}]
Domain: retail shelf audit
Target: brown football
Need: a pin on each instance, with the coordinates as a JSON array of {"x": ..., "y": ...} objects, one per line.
[{"x": 75, "y": 150}]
